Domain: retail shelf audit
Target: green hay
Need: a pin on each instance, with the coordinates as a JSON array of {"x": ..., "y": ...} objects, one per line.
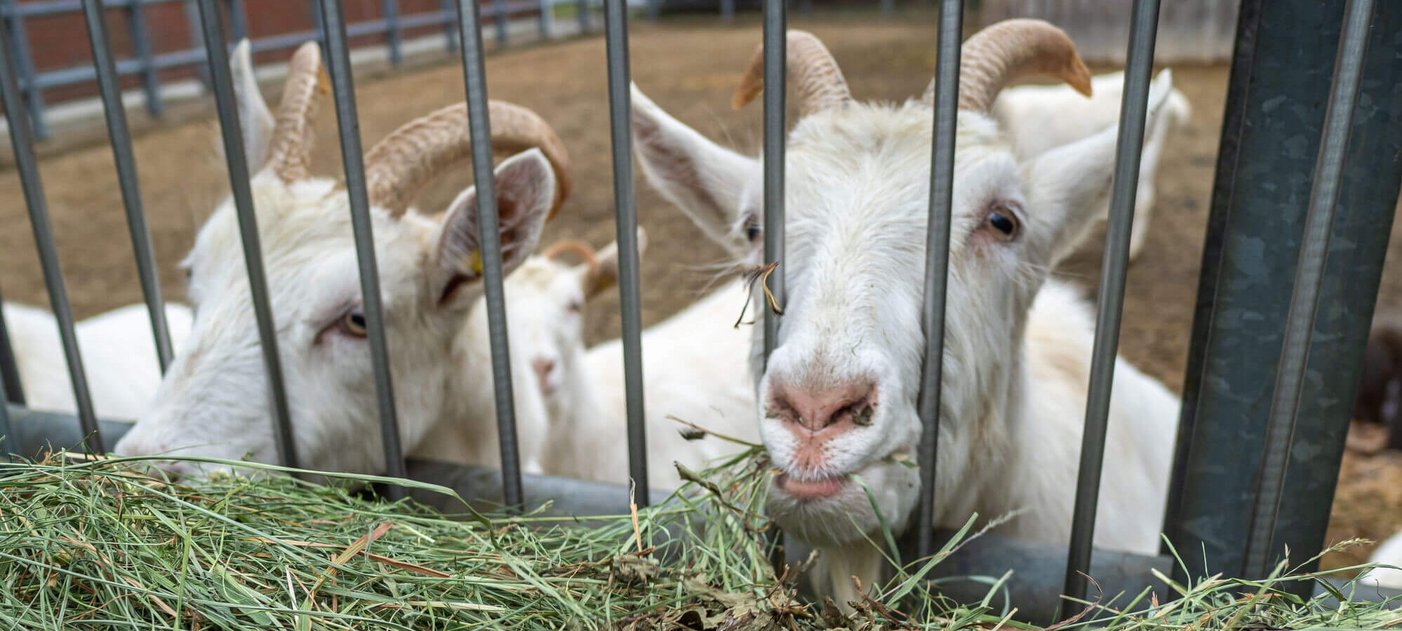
[{"x": 90, "y": 544}]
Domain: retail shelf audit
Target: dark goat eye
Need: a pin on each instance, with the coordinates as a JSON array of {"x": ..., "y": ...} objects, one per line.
[
  {"x": 752, "y": 229},
  {"x": 353, "y": 323},
  {"x": 1003, "y": 222}
]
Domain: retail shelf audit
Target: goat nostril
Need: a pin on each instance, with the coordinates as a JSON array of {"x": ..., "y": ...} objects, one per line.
[{"x": 817, "y": 409}]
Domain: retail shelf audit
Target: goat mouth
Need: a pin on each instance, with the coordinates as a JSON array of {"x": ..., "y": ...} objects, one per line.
[{"x": 810, "y": 490}]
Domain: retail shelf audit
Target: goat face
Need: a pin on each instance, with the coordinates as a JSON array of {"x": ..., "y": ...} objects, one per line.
[
  {"x": 215, "y": 400},
  {"x": 838, "y": 395}
]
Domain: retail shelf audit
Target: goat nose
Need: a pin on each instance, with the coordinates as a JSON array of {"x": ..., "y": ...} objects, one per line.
[
  {"x": 816, "y": 409},
  {"x": 542, "y": 367}
]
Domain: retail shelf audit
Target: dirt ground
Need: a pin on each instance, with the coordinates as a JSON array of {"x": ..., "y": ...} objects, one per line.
[{"x": 689, "y": 69}]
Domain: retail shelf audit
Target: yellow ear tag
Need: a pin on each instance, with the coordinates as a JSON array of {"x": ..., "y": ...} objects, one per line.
[{"x": 474, "y": 262}]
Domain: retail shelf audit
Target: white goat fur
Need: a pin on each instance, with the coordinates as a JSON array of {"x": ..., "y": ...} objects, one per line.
[
  {"x": 1041, "y": 117},
  {"x": 119, "y": 357},
  {"x": 1017, "y": 345},
  {"x": 215, "y": 400},
  {"x": 1388, "y": 553}
]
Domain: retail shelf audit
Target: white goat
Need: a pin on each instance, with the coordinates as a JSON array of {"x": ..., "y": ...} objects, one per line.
[
  {"x": 693, "y": 369},
  {"x": 1388, "y": 553},
  {"x": 119, "y": 358},
  {"x": 1038, "y": 118},
  {"x": 838, "y": 394},
  {"x": 215, "y": 401}
]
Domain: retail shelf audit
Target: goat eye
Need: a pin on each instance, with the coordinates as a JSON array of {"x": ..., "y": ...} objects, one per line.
[
  {"x": 752, "y": 229},
  {"x": 353, "y": 323},
  {"x": 1004, "y": 222}
]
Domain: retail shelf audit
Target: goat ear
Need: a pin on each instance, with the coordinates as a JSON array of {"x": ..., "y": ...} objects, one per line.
[
  {"x": 603, "y": 274},
  {"x": 255, "y": 119},
  {"x": 525, "y": 189},
  {"x": 707, "y": 181},
  {"x": 1069, "y": 185}
]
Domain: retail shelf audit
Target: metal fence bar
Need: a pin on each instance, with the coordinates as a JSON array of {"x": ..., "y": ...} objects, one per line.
[
  {"x": 951, "y": 25},
  {"x": 238, "y": 19},
  {"x": 499, "y": 18},
  {"x": 237, "y": 163},
  {"x": 1309, "y": 278},
  {"x": 479, "y": 123},
  {"x": 23, "y": 60},
  {"x": 626, "y": 223},
  {"x": 582, "y": 8},
  {"x": 654, "y": 9},
  {"x": 120, "y": 138},
  {"x": 9, "y": 368},
  {"x": 450, "y": 30},
  {"x": 348, "y": 124},
  {"x": 192, "y": 21},
  {"x": 888, "y": 7},
  {"x": 393, "y": 35},
  {"x": 775, "y": 83},
  {"x": 727, "y": 10},
  {"x": 1110, "y": 301},
  {"x": 141, "y": 46},
  {"x": 22, "y": 142}
]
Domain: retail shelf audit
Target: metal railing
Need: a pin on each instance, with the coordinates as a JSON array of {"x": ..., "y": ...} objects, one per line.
[
  {"x": 148, "y": 65},
  {"x": 1304, "y": 289}
]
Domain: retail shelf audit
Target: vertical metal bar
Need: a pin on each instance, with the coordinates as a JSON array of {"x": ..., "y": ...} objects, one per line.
[
  {"x": 393, "y": 34},
  {"x": 582, "y": 7},
  {"x": 192, "y": 20},
  {"x": 1110, "y": 301},
  {"x": 9, "y": 368},
  {"x": 348, "y": 124},
  {"x": 888, "y": 7},
  {"x": 22, "y": 142},
  {"x": 951, "y": 27},
  {"x": 7, "y": 434},
  {"x": 237, "y": 163},
  {"x": 120, "y": 139},
  {"x": 499, "y": 18},
  {"x": 319, "y": 27},
  {"x": 546, "y": 19},
  {"x": 626, "y": 222},
  {"x": 654, "y": 9},
  {"x": 727, "y": 10},
  {"x": 23, "y": 59},
  {"x": 141, "y": 46},
  {"x": 1228, "y": 152},
  {"x": 775, "y": 81},
  {"x": 479, "y": 123},
  {"x": 450, "y": 30},
  {"x": 1309, "y": 278},
  {"x": 238, "y": 19}
]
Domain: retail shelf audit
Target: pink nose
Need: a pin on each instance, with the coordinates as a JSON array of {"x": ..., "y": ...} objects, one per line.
[
  {"x": 542, "y": 367},
  {"x": 841, "y": 407}
]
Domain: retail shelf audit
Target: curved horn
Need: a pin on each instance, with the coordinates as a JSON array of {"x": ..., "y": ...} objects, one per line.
[
  {"x": 820, "y": 82},
  {"x": 1008, "y": 50},
  {"x": 290, "y": 153},
  {"x": 398, "y": 167},
  {"x": 561, "y": 248}
]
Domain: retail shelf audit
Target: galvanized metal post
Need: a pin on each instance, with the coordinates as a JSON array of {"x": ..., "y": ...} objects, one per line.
[
  {"x": 9, "y": 368},
  {"x": 1309, "y": 278},
  {"x": 479, "y": 122},
  {"x": 1110, "y": 301},
  {"x": 951, "y": 28},
  {"x": 582, "y": 7},
  {"x": 23, "y": 60},
  {"x": 626, "y": 224},
  {"x": 141, "y": 46},
  {"x": 727, "y": 10},
  {"x": 22, "y": 142},
  {"x": 237, "y": 163},
  {"x": 1286, "y": 54},
  {"x": 119, "y": 137},
  {"x": 546, "y": 19},
  {"x": 888, "y": 7},
  {"x": 192, "y": 20},
  {"x": 654, "y": 9},
  {"x": 776, "y": 37},
  {"x": 352, "y": 155},
  {"x": 394, "y": 36}
]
